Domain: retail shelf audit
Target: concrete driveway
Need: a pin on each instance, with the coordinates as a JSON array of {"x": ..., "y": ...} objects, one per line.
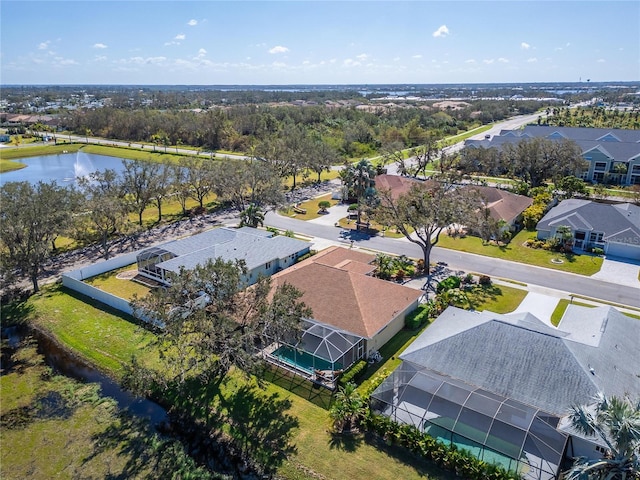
[
  {"x": 335, "y": 213},
  {"x": 619, "y": 270}
]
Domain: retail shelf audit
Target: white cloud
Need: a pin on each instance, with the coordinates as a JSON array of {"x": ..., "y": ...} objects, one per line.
[
  {"x": 488, "y": 61},
  {"x": 192, "y": 22},
  {"x": 417, "y": 56},
  {"x": 100, "y": 58},
  {"x": 99, "y": 45},
  {"x": 278, "y": 49},
  {"x": 525, "y": 46},
  {"x": 306, "y": 62},
  {"x": 532, "y": 60},
  {"x": 396, "y": 59},
  {"x": 44, "y": 45},
  {"x": 471, "y": 60},
  {"x": 202, "y": 51},
  {"x": 362, "y": 56},
  {"x": 601, "y": 60},
  {"x": 279, "y": 64},
  {"x": 65, "y": 61},
  {"x": 180, "y": 36},
  {"x": 350, "y": 62},
  {"x": 443, "y": 31},
  {"x": 503, "y": 60}
]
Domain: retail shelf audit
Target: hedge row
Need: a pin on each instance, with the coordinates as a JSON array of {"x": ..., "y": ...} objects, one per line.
[
  {"x": 417, "y": 318},
  {"x": 461, "y": 462},
  {"x": 353, "y": 373}
]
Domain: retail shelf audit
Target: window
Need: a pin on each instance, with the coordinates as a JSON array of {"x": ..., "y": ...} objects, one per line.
[
  {"x": 600, "y": 166},
  {"x": 595, "y": 237},
  {"x": 267, "y": 265}
]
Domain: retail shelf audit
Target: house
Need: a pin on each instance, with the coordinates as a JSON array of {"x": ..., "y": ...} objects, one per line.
[
  {"x": 263, "y": 253},
  {"x": 613, "y": 155},
  {"x": 615, "y": 228},
  {"x": 354, "y": 314},
  {"x": 397, "y": 184},
  {"x": 501, "y": 386},
  {"x": 502, "y": 204}
]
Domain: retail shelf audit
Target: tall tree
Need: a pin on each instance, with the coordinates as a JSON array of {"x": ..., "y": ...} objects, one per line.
[
  {"x": 538, "y": 159},
  {"x": 139, "y": 181},
  {"x": 31, "y": 217},
  {"x": 614, "y": 422},
  {"x": 425, "y": 211},
  {"x": 105, "y": 206},
  {"x": 200, "y": 178},
  {"x": 359, "y": 180},
  {"x": 210, "y": 324}
]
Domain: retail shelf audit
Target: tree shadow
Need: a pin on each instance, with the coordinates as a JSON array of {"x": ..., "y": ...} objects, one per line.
[
  {"x": 260, "y": 424},
  {"x": 347, "y": 442},
  {"x": 15, "y": 312},
  {"x": 481, "y": 294},
  {"x": 313, "y": 392}
]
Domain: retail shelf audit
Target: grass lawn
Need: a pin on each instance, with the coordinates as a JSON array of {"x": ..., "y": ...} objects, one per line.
[
  {"x": 55, "y": 427},
  {"x": 495, "y": 298},
  {"x": 38, "y": 150},
  {"x": 515, "y": 251},
  {"x": 108, "y": 339},
  {"x": 311, "y": 206},
  {"x": 105, "y": 337},
  {"x": 121, "y": 287},
  {"x": 10, "y": 165}
]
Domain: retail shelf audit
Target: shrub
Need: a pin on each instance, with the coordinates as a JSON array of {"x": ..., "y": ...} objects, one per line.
[
  {"x": 417, "y": 318},
  {"x": 484, "y": 280},
  {"x": 354, "y": 372},
  {"x": 306, "y": 255},
  {"x": 468, "y": 279},
  {"x": 323, "y": 205},
  {"x": 448, "y": 283},
  {"x": 597, "y": 251},
  {"x": 273, "y": 230},
  {"x": 352, "y": 207},
  {"x": 400, "y": 274}
]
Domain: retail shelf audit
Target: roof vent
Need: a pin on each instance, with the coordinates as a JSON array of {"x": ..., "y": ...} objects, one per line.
[{"x": 593, "y": 372}]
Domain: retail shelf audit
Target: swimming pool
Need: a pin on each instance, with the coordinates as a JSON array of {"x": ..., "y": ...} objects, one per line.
[{"x": 303, "y": 360}]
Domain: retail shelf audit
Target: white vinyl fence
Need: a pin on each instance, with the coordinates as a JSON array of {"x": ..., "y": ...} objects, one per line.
[{"x": 75, "y": 281}]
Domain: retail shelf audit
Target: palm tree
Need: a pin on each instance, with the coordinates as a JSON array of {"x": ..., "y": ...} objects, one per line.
[
  {"x": 615, "y": 422},
  {"x": 348, "y": 408},
  {"x": 359, "y": 179},
  {"x": 253, "y": 216}
]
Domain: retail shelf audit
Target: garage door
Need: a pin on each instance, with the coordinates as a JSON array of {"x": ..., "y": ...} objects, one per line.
[{"x": 623, "y": 250}]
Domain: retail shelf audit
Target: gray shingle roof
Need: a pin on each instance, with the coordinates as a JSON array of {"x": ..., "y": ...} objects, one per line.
[
  {"x": 255, "y": 247},
  {"x": 521, "y": 358},
  {"x": 624, "y": 150},
  {"x": 618, "y": 222}
]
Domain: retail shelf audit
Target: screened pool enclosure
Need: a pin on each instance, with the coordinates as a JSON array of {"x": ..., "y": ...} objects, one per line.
[
  {"x": 494, "y": 428},
  {"x": 321, "y": 355}
]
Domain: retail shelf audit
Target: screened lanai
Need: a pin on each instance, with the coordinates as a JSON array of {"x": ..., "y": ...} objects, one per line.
[
  {"x": 322, "y": 353},
  {"x": 148, "y": 261},
  {"x": 494, "y": 428}
]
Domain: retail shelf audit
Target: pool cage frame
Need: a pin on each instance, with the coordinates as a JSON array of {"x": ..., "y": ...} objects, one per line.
[
  {"x": 330, "y": 350},
  {"x": 148, "y": 260},
  {"x": 492, "y": 427}
]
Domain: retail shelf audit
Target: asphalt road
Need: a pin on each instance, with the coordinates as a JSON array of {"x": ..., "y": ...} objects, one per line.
[{"x": 554, "y": 279}]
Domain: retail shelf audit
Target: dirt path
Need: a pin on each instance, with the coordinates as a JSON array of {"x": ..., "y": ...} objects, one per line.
[{"x": 82, "y": 257}]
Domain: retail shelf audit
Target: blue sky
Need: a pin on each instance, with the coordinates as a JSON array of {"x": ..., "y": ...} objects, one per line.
[{"x": 317, "y": 42}]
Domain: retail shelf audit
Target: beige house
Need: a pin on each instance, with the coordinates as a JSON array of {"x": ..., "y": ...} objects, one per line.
[{"x": 354, "y": 314}]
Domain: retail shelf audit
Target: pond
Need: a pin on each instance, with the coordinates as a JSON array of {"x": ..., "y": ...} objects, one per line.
[{"x": 64, "y": 168}]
